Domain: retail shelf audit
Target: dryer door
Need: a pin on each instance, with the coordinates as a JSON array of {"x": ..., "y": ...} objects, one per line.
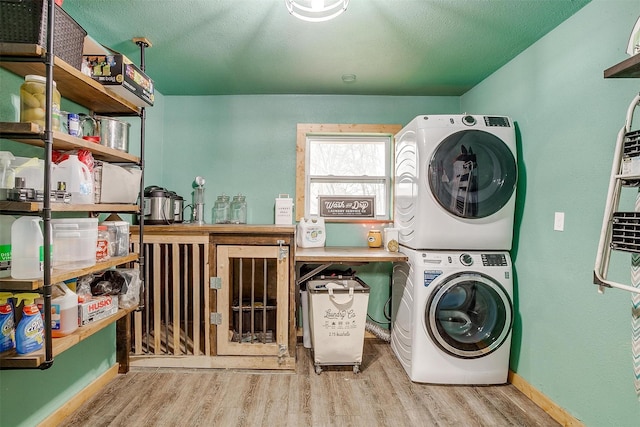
[
  {"x": 472, "y": 174},
  {"x": 469, "y": 315}
]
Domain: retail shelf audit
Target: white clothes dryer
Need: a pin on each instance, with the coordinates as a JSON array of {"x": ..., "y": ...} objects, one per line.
[
  {"x": 454, "y": 182},
  {"x": 452, "y": 315}
]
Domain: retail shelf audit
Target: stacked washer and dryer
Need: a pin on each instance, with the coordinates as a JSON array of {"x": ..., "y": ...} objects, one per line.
[{"x": 452, "y": 312}]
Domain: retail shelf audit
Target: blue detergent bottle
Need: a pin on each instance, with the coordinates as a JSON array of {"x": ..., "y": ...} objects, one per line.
[
  {"x": 7, "y": 323},
  {"x": 30, "y": 329}
]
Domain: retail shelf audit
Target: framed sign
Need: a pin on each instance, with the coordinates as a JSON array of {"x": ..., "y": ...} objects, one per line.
[{"x": 347, "y": 206}]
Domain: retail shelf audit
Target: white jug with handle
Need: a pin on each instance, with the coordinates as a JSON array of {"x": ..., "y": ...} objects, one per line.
[
  {"x": 77, "y": 177},
  {"x": 311, "y": 233}
]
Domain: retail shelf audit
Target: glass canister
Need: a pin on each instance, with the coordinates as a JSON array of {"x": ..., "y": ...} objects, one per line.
[
  {"x": 33, "y": 102},
  {"x": 239, "y": 210},
  {"x": 221, "y": 208}
]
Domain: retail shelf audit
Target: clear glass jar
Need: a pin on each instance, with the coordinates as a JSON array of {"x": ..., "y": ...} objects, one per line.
[
  {"x": 221, "y": 208},
  {"x": 239, "y": 210},
  {"x": 33, "y": 102}
]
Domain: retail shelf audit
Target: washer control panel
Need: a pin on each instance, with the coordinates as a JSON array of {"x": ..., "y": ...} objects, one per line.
[{"x": 494, "y": 260}]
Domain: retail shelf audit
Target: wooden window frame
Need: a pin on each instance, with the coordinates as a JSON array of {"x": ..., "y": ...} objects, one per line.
[{"x": 305, "y": 129}]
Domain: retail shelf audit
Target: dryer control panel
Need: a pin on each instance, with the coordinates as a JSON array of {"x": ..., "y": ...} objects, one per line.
[{"x": 496, "y": 121}]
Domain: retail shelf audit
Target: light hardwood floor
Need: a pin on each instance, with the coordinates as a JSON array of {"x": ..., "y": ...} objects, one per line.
[{"x": 380, "y": 395}]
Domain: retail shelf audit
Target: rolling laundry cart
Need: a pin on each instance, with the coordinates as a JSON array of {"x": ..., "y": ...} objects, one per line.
[{"x": 337, "y": 316}]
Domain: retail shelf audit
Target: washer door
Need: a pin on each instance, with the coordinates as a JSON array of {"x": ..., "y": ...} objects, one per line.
[
  {"x": 472, "y": 174},
  {"x": 469, "y": 315}
]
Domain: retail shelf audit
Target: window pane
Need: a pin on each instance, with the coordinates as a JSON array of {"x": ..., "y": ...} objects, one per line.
[
  {"x": 328, "y": 157},
  {"x": 376, "y": 189}
]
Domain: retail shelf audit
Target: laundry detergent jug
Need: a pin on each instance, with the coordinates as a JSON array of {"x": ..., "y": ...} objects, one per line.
[
  {"x": 64, "y": 310},
  {"x": 311, "y": 233}
]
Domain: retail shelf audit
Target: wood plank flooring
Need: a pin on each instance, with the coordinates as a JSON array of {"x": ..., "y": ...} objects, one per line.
[{"x": 380, "y": 395}]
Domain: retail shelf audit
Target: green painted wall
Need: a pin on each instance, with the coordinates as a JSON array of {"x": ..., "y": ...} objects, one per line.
[{"x": 571, "y": 343}]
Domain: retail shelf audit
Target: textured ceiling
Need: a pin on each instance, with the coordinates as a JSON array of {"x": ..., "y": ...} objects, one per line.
[{"x": 394, "y": 47}]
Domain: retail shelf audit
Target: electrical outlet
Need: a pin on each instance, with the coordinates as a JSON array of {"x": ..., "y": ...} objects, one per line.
[{"x": 558, "y": 221}]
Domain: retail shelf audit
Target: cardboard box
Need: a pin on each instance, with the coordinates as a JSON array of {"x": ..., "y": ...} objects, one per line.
[
  {"x": 116, "y": 184},
  {"x": 97, "y": 308},
  {"x": 117, "y": 73}
]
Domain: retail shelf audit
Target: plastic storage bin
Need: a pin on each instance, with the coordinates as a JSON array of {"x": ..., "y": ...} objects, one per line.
[
  {"x": 118, "y": 237},
  {"x": 74, "y": 242},
  {"x": 337, "y": 316}
]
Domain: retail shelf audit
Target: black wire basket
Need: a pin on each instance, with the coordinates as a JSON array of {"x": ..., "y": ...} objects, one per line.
[{"x": 25, "y": 21}]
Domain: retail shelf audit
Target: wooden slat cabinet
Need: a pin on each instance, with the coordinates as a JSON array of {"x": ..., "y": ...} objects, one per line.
[{"x": 199, "y": 316}]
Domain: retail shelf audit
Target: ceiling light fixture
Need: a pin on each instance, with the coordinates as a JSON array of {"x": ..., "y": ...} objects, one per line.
[{"x": 316, "y": 10}]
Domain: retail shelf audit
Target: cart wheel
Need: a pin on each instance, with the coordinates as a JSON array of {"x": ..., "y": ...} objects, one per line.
[
  {"x": 356, "y": 369},
  {"x": 318, "y": 369}
]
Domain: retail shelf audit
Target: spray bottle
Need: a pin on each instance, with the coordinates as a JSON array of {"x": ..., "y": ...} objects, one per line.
[
  {"x": 7, "y": 174},
  {"x": 7, "y": 324},
  {"x": 30, "y": 330}
]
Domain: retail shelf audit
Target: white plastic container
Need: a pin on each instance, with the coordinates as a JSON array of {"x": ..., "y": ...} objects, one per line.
[
  {"x": 74, "y": 242},
  {"x": 284, "y": 210},
  {"x": 311, "y": 233},
  {"x": 6, "y": 221},
  {"x": 64, "y": 310},
  {"x": 337, "y": 316},
  {"x": 27, "y": 248},
  {"x": 390, "y": 239},
  {"x": 32, "y": 170},
  {"x": 78, "y": 179}
]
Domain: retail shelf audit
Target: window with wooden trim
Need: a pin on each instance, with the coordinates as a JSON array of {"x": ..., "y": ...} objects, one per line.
[{"x": 336, "y": 162}]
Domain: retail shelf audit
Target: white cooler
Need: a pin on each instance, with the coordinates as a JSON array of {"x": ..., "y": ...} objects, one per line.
[{"x": 337, "y": 316}]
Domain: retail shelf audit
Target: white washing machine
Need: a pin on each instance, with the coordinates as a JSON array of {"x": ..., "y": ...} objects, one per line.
[
  {"x": 452, "y": 315},
  {"x": 455, "y": 181}
]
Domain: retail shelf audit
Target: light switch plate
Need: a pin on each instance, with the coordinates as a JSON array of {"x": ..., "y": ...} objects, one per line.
[{"x": 558, "y": 221}]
